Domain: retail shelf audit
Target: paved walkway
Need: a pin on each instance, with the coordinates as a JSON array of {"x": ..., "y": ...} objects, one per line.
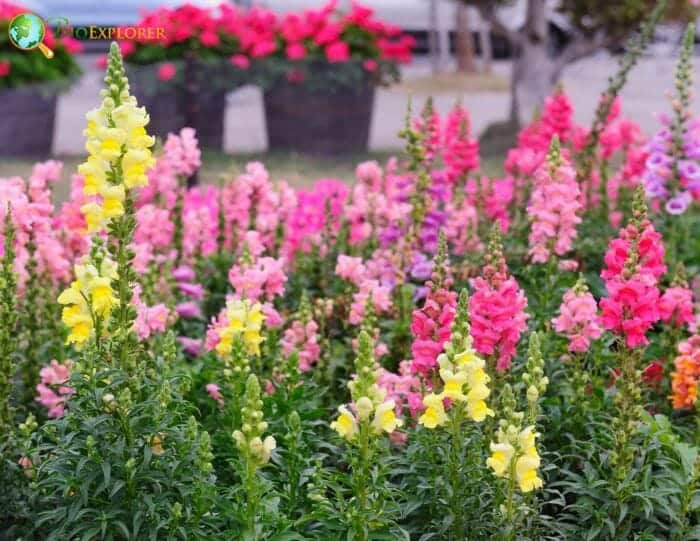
[{"x": 245, "y": 124}]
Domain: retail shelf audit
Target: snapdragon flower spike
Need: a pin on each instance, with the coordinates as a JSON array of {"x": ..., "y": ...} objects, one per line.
[
  {"x": 461, "y": 151},
  {"x": 370, "y": 409},
  {"x": 554, "y": 206},
  {"x": 672, "y": 173},
  {"x": 303, "y": 337},
  {"x": 89, "y": 300},
  {"x": 535, "y": 380},
  {"x": 51, "y": 390},
  {"x": 118, "y": 148},
  {"x": 428, "y": 124},
  {"x": 634, "y": 263},
  {"x": 249, "y": 438},
  {"x": 578, "y": 318},
  {"x": 514, "y": 452},
  {"x": 497, "y": 308},
  {"x": 676, "y": 303},
  {"x": 431, "y": 324},
  {"x": 241, "y": 320},
  {"x": 463, "y": 375},
  {"x": 686, "y": 376}
]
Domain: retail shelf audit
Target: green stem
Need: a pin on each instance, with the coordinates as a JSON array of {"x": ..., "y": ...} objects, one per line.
[
  {"x": 251, "y": 496},
  {"x": 510, "y": 526},
  {"x": 453, "y": 471},
  {"x": 362, "y": 473}
]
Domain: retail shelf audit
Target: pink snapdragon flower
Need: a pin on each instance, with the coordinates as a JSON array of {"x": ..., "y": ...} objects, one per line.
[
  {"x": 553, "y": 208},
  {"x": 461, "y": 151},
  {"x": 193, "y": 346},
  {"x": 631, "y": 308},
  {"x": 51, "y": 388},
  {"x": 431, "y": 327},
  {"x": 650, "y": 252},
  {"x": 304, "y": 338},
  {"x": 577, "y": 318},
  {"x": 633, "y": 265},
  {"x": 676, "y": 306},
  {"x": 351, "y": 268},
  {"x": 380, "y": 296},
  {"x": 403, "y": 388},
  {"x": 153, "y": 227},
  {"x": 497, "y": 310},
  {"x": 215, "y": 393},
  {"x": 188, "y": 309},
  {"x": 262, "y": 279},
  {"x": 200, "y": 222},
  {"x": 149, "y": 319},
  {"x": 369, "y": 173},
  {"x": 182, "y": 152}
]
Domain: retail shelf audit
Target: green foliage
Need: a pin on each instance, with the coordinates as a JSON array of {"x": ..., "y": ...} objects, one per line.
[
  {"x": 8, "y": 321},
  {"x": 126, "y": 461}
]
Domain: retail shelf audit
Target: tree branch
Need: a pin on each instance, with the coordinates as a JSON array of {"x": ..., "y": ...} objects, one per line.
[
  {"x": 488, "y": 13},
  {"x": 582, "y": 46}
]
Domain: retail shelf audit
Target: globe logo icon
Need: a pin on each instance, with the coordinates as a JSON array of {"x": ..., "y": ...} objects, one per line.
[{"x": 27, "y": 31}]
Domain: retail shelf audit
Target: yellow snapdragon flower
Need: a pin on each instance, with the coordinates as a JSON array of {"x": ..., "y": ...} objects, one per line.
[
  {"x": 464, "y": 380},
  {"x": 369, "y": 399},
  {"x": 454, "y": 383},
  {"x": 385, "y": 419},
  {"x": 89, "y": 296},
  {"x": 345, "y": 424},
  {"x": 434, "y": 414},
  {"x": 500, "y": 459},
  {"x": 515, "y": 454},
  {"x": 116, "y": 141},
  {"x": 244, "y": 319}
]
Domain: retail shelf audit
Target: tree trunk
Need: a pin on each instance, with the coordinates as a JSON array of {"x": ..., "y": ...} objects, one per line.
[
  {"x": 486, "y": 47},
  {"x": 433, "y": 37},
  {"x": 465, "y": 43},
  {"x": 534, "y": 77},
  {"x": 534, "y": 72}
]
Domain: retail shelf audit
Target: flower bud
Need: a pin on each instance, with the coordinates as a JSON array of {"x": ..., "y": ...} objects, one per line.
[{"x": 364, "y": 408}]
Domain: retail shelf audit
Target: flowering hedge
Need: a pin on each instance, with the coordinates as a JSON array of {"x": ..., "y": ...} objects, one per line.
[
  {"x": 424, "y": 352},
  {"x": 21, "y": 68}
]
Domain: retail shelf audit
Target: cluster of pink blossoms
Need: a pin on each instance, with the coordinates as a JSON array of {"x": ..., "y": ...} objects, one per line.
[
  {"x": 404, "y": 388},
  {"x": 497, "y": 311},
  {"x": 52, "y": 391},
  {"x": 553, "y": 208},
  {"x": 149, "y": 319},
  {"x": 32, "y": 215},
  {"x": 262, "y": 279},
  {"x": 634, "y": 263},
  {"x": 181, "y": 157},
  {"x": 461, "y": 151},
  {"x": 379, "y": 294},
  {"x": 676, "y": 306},
  {"x": 534, "y": 140},
  {"x": 302, "y": 337},
  {"x": 252, "y": 203},
  {"x": 577, "y": 318},
  {"x": 431, "y": 327}
]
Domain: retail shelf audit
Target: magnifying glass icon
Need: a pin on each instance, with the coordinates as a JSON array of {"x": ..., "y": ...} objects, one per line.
[{"x": 27, "y": 32}]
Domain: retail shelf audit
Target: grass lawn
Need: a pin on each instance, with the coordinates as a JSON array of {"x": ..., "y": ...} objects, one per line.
[
  {"x": 453, "y": 83},
  {"x": 299, "y": 170}
]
